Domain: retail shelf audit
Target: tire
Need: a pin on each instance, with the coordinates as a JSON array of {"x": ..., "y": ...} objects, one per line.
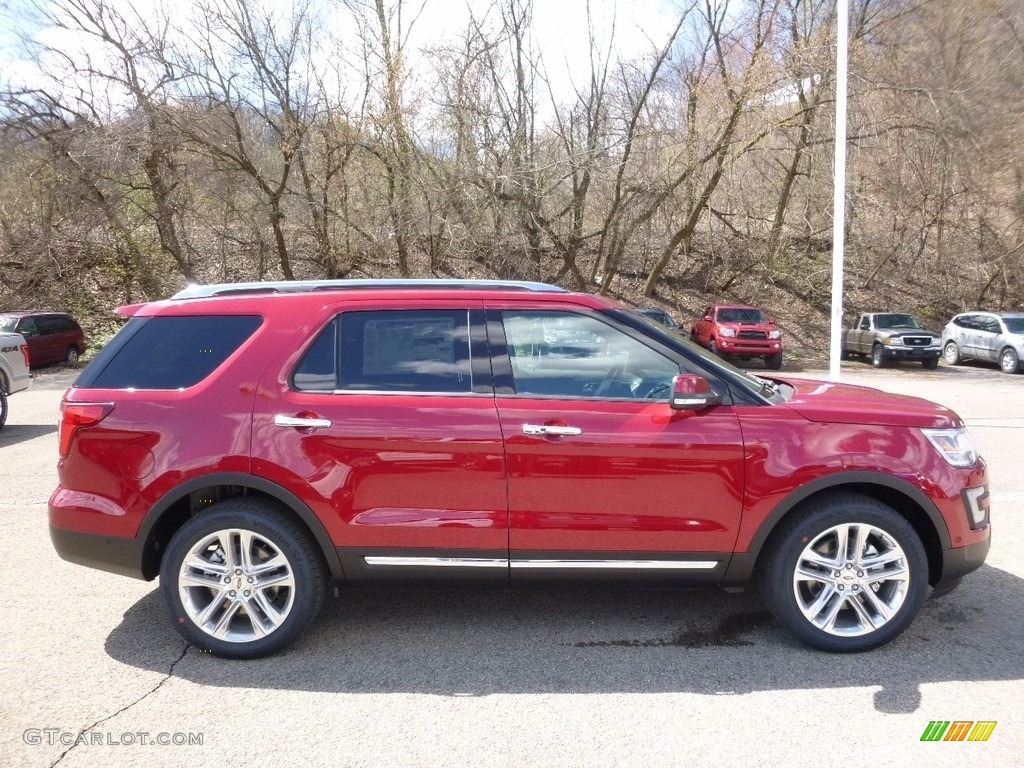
[
  {"x": 72, "y": 355},
  {"x": 1008, "y": 361},
  {"x": 218, "y": 616},
  {"x": 930, "y": 364},
  {"x": 3, "y": 406},
  {"x": 951, "y": 353},
  {"x": 833, "y": 613},
  {"x": 713, "y": 348},
  {"x": 877, "y": 358},
  {"x": 773, "y": 362},
  {"x": 843, "y": 354}
]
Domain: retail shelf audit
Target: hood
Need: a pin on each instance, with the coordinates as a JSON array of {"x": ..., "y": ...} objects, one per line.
[{"x": 826, "y": 401}]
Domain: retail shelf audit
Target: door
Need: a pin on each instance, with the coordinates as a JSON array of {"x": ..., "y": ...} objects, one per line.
[
  {"x": 387, "y": 425},
  {"x": 604, "y": 478},
  {"x": 988, "y": 338}
]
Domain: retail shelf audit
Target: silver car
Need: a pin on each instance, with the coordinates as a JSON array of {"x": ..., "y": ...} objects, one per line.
[{"x": 992, "y": 337}]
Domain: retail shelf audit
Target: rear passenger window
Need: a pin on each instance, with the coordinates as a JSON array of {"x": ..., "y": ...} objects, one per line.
[
  {"x": 167, "y": 352},
  {"x": 390, "y": 351}
]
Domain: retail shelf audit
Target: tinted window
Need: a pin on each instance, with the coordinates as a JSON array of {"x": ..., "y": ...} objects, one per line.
[
  {"x": 318, "y": 369},
  {"x": 27, "y": 327},
  {"x": 967, "y": 321},
  {"x": 50, "y": 324},
  {"x": 990, "y": 325},
  {"x": 405, "y": 351},
  {"x": 562, "y": 354},
  {"x": 168, "y": 352},
  {"x": 1014, "y": 324}
]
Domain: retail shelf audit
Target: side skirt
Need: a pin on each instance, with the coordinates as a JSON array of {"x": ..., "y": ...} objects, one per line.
[{"x": 410, "y": 568}]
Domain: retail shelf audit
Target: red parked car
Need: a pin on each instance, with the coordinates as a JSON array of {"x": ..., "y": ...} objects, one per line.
[
  {"x": 52, "y": 337},
  {"x": 736, "y": 330},
  {"x": 250, "y": 444}
]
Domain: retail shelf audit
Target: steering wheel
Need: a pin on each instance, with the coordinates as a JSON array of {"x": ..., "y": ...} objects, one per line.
[
  {"x": 610, "y": 378},
  {"x": 658, "y": 390}
]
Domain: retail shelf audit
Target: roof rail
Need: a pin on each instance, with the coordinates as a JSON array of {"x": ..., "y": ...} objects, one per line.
[{"x": 297, "y": 286}]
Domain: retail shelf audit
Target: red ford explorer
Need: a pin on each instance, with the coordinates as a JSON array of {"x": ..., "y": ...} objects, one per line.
[{"x": 250, "y": 444}]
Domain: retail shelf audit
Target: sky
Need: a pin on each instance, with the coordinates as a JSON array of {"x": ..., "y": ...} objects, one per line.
[{"x": 560, "y": 30}]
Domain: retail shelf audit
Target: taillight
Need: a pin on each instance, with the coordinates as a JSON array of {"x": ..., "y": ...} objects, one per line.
[
  {"x": 75, "y": 416},
  {"x": 24, "y": 353}
]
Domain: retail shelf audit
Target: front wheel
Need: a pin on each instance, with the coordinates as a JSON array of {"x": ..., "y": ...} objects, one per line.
[
  {"x": 713, "y": 348},
  {"x": 773, "y": 362},
  {"x": 846, "y": 575},
  {"x": 1008, "y": 361},
  {"x": 72, "y": 355},
  {"x": 877, "y": 358},
  {"x": 930, "y": 364},
  {"x": 951, "y": 353},
  {"x": 241, "y": 580}
]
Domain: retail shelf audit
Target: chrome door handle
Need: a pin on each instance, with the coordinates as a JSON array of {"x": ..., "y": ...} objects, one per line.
[
  {"x": 301, "y": 422},
  {"x": 550, "y": 429}
]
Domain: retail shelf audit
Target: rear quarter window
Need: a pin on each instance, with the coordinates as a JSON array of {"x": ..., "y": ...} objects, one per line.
[{"x": 167, "y": 352}]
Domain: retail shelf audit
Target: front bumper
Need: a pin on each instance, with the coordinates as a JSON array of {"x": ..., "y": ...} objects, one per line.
[
  {"x": 958, "y": 562},
  {"x": 748, "y": 347},
  {"x": 899, "y": 352}
]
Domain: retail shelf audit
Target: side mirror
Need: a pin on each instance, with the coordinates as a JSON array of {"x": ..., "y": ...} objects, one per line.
[
  {"x": 708, "y": 318},
  {"x": 691, "y": 392},
  {"x": 771, "y": 321}
]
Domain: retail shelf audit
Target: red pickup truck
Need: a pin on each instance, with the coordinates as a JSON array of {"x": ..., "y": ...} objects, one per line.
[{"x": 737, "y": 330}]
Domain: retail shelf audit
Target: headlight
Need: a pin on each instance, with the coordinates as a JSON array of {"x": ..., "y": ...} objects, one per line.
[
  {"x": 776, "y": 334},
  {"x": 727, "y": 331},
  {"x": 889, "y": 340},
  {"x": 955, "y": 445}
]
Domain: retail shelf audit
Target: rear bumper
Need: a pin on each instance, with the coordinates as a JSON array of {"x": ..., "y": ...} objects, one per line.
[{"x": 106, "y": 553}]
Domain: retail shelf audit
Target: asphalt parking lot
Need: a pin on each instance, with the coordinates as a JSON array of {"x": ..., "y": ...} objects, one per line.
[{"x": 570, "y": 678}]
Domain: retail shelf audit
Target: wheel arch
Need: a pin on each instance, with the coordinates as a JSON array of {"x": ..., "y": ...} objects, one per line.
[
  {"x": 182, "y": 502},
  {"x": 905, "y": 498}
]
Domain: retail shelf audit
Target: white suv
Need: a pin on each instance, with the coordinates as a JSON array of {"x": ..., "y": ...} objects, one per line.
[
  {"x": 993, "y": 337},
  {"x": 14, "y": 375}
]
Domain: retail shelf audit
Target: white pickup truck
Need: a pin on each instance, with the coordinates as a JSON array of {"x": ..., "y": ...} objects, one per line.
[{"x": 14, "y": 375}]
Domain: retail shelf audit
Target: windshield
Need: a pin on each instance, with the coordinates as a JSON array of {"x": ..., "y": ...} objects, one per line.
[
  {"x": 896, "y": 321},
  {"x": 1014, "y": 324},
  {"x": 7, "y": 324},
  {"x": 740, "y": 315}
]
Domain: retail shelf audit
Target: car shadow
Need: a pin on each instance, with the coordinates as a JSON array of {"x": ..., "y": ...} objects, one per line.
[
  {"x": 12, "y": 434},
  {"x": 588, "y": 641}
]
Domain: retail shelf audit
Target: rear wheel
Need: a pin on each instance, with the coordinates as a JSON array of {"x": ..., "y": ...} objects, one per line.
[
  {"x": 242, "y": 580},
  {"x": 1008, "y": 361},
  {"x": 3, "y": 406},
  {"x": 931, "y": 363},
  {"x": 72, "y": 355},
  {"x": 951, "y": 353},
  {"x": 847, "y": 574},
  {"x": 877, "y": 358}
]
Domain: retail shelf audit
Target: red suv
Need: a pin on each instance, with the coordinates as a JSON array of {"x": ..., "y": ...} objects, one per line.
[
  {"x": 739, "y": 331},
  {"x": 252, "y": 443}
]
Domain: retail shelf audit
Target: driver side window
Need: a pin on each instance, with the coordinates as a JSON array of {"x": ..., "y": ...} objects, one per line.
[{"x": 568, "y": 355}]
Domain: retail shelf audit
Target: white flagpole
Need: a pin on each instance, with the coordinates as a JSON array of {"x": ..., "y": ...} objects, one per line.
[{"x": 839, "y": 187}]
